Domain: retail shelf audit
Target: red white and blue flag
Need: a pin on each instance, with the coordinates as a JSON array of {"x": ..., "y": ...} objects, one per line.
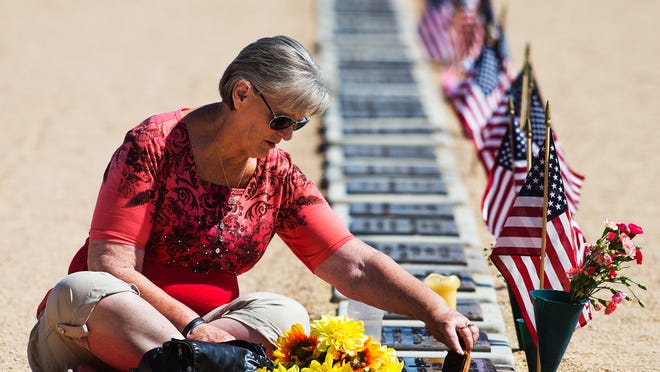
[
  {"x": 517, "y": 252},
  {"x": 505, "y": 179},
  {"x": 497, "y": 125},
  {"x": 477, "y": 96},
  {"x": 451, "y": 31}
]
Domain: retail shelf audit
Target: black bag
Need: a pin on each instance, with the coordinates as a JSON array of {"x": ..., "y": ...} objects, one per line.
[{"x": 199, "y": 356}]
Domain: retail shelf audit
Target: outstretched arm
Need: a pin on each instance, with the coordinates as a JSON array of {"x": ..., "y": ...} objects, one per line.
[{"x": 367, "y": 275}]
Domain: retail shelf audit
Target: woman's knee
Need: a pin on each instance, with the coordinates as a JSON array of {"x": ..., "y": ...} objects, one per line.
[
  {"x": 279, "y": 310},
  {"x": 288, "y": 312},
  {"x": 74, "y": 297}
]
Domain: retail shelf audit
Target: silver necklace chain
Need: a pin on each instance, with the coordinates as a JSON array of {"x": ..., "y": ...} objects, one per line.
[{"x": 240, "y": 180}]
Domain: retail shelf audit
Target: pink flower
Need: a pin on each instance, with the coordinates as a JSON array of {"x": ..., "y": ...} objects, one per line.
[
  {"x": 638, "y": 256},
  {"x": 634, "y": 229},
  {"x": 622, "y": 227},
  {"x": 618, "y": 297},
  {"x": 610, "y": 225},
  {"x": 609, "y": 309},
  {"x": 628, "y": 246},
  {"x": 604, "y": 259},
  {"x": 572, "y": 272}
]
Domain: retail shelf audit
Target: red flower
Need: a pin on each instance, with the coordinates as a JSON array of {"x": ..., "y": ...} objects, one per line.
[
  {"x": 638, "y": 256},
  {"x": 613, "y": 274},
  {"x": 609, "y": 309},
  {"x": 634, "y": 229},
  {"x": 610, "y": 236},
  {"x": 622, "y": 227},
  {"x": 572, "y": 272},
  {"x": 589, "y": 270}
]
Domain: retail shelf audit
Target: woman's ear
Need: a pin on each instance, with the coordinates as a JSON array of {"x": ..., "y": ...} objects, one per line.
[{"x": 240, "y": 92}]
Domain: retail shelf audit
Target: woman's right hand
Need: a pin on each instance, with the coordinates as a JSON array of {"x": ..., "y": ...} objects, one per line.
[{"x": 209, "y": 333}]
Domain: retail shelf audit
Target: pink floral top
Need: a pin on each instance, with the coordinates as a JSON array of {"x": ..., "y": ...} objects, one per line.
[{"x": 198, "y": 236}]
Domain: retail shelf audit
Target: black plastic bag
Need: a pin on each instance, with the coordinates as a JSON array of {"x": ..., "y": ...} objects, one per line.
[{"x": 199, "y": 356}]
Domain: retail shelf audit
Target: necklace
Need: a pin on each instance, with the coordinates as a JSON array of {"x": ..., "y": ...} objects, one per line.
[{"x": 232, "y": 200}]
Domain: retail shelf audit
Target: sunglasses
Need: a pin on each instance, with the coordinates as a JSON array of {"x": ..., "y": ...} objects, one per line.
[{"x": 279, "y": 122}]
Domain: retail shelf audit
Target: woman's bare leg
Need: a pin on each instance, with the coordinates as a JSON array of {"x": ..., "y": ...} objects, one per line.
[{"x": 123, "y": 327}]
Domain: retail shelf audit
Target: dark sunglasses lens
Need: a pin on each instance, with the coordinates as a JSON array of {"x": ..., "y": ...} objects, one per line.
[
  {"x": 299, "y": 125},
  {"x": 281, "y": 122}
]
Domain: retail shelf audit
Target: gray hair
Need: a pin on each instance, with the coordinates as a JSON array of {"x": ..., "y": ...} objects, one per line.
[{"x": 280, "y": 67}]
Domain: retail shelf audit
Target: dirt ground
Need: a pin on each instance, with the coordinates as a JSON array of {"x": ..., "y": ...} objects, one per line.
[{"x": 77, "y": 74}]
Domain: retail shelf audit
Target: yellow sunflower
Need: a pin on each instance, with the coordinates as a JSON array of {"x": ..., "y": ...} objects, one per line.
[{"x": 295, "y": 347}]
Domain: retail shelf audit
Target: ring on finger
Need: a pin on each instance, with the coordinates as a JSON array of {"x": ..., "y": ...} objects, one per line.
[{"x": 467, "y": 326}]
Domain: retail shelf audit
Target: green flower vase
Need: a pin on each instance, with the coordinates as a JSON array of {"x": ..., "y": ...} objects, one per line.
[{"x": 556, "y": 319}]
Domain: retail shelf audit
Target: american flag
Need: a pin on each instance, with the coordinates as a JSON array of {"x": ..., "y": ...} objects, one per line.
[
  {"x": 476, "y": 97},
  {"x": 495, "y": 128},
  {"x": 451, "y": 32},
  {"x": 470, "y": 29},
  {"x": 517, "y": 252},
  {"x": 436, "y": 32},
  {"x": 572, "y": 180},
  {"x": 493, "y": 132},
  {"x": 505, "y": 179}
]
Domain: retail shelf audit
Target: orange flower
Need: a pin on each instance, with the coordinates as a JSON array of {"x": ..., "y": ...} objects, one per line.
[
  {"x": 295, "y": 347},
  {"x": 373, "y": 354}
]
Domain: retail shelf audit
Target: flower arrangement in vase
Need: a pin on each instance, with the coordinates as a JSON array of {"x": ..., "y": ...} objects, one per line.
[{"x": 602, "y": 264}]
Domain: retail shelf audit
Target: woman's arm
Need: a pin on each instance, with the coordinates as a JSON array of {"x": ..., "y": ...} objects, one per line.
[
  {"x": 125, "y": 262},
  {"x": 367, "y": 275}
]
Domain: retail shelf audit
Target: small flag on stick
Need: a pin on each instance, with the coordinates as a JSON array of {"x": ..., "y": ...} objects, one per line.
[{"x": 517, "y": 252}]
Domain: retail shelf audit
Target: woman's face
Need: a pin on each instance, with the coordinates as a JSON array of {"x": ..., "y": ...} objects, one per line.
[{"x": 264, "y": 139}]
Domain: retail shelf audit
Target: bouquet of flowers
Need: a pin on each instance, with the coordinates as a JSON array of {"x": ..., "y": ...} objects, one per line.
[
  {"x": 602, "y": 263},
  {"x": 335, "y": 344}
]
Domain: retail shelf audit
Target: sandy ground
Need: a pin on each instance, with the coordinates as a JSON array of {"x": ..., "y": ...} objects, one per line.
[{"x": 76, "y": 75}]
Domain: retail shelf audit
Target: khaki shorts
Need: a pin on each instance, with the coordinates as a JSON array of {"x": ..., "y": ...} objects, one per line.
[
  {"x": 268, "y": 313},
  {"x": 58, "y": 340}
]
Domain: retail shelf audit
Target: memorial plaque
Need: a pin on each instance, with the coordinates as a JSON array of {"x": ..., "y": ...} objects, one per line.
[
  {"x": 395, "y": 185},
  {"x": 374, "y": 25},
  {"x": 430, "y": 170},
  {"x": 376, "y": 65},
  {"x": 376, "y": 76},
  {"x": 369, "y": 6},
  {"x": 374, "y": 53},
  {"x": 422, "y": 252},
  {"x": 402, "y": 209},
  {"x": 373, "y": 186},
  {"x": 391, "y": 151},
  {"x": 381, "y": 106},
  {"x": 385, "y": 130},
  {"x": 470, "y": 308},
  {"x": 403, "y": 226},
  {"x": 418, "y": 339},
  {"x": 420, "y": 364}
]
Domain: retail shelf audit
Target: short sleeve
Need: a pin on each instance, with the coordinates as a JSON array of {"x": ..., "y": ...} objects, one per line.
[
  {"x": 311, "y": 229},
  {"x": 125, "y": 205}
]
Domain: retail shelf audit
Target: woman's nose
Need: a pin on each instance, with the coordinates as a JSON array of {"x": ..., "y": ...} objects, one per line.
[{"x": 286, "y": 133}]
